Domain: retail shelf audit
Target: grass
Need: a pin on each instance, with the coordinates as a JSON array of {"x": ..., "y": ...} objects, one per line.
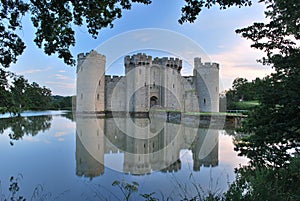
[{"x": 246, "y": 105}]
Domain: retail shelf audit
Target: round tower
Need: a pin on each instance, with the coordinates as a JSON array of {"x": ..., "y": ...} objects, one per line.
[
  {"x": 206, "y": 77},
  {"x": 90, "y": 82}
]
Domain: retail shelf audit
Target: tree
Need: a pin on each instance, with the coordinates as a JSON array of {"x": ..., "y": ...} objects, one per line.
[
  {"x": 37, "y": 98},
  {"x": 273, "y": 143},
  {"x": 275, "y": 124},
  {"x": 4, "y": 93},
  {"x": 18, "y": 98},
  {"x": 54, "y": 22},
  {"x": 20, "y": 95}
]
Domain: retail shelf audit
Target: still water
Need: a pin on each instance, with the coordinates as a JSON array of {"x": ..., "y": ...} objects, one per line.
[{"x": 55, "y": 157}]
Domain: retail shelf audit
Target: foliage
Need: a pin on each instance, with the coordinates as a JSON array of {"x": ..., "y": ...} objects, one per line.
[
  {"x": 266, "y": 183},
  {"x": 20, "y": 126},
  {"x": 193, "y": 7},
  {"x": 243, "y": 91},
  {"x": 13, "y": 189},
  {"x": 61, "y": 102},
  {"x": 273, "y": 143},
  {"x": 275, "y": 123},
  {"x": 126, "y": 188},
  {"x": 20, "y": 95},
  {"x": 244, "y": 105},
  {"x": 54, "y": 22}
]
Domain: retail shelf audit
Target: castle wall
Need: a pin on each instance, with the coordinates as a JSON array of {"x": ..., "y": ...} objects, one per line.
[
  {"x": 146, "y": 82},
  {"x": 147, "y": 145},
  {"x": 115, "y": 93},
  {"x": 190, "y": 97}
]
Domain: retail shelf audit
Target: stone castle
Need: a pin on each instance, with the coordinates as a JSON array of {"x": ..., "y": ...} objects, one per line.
[
  {"x": 98, "y": 139},
  {"x": 147, "y": 83}
]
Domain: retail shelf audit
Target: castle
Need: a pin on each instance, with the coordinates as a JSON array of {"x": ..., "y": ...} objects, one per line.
[
  {"x": 147, "y": 83},
  {"x": 98, "y": 139}
]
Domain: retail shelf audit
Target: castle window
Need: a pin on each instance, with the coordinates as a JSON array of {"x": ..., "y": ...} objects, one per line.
[
  {"x": 173, "y": 86},
  {"x": 99, "y": 82},
  {"x": 98, "y": 96},
  {"x": 145, "y": 84},
  {"x": 154, "y": 84},
  {"x": 204, "y": 101}
]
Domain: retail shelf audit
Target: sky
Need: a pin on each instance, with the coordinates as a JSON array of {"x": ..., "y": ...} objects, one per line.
[{"x": 213, "y": 32}]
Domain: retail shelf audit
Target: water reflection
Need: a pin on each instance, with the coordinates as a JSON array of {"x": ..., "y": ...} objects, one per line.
[
  {"x": 140, "y": 146},
  {"x": 171, "y": 152},
  {"x": 20, "y": 126}
]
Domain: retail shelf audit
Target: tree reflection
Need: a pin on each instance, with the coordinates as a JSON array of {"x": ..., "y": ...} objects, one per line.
[{"x": 20, "y": 126}]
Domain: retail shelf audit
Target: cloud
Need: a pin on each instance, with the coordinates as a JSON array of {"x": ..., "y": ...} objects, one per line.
[
  {"x": 60, "y": 134},
  {"x": 65, "y": 85},
  {"x": 35, "y": 139},
  {"x": 32, "y": 71},
  {"x": 240, "y": 61},
  {"x": 31, "y": 139},
  {"x": 62, "y": 77}
]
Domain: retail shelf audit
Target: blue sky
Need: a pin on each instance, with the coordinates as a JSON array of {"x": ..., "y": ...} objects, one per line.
[{"x": 213, "y": 31}]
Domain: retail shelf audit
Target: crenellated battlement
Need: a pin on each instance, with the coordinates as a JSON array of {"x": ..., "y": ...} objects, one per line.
[
  {"x": 112, "y": 78},
  {"x": 143, "y": 59},
  {"x": 81, "y": 57},
  {"x": 137, "y": 60},
  {"x": 199, "y": 64},
  {"x": 147, "y": 82},
  {"x": 175, "y": 63},
  {"x": 92, "y": 53}
]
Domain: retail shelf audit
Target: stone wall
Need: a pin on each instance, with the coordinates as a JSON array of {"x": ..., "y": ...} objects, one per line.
[
  {"x": 146, "y": 82},
  {"x": 148, "y": 145}
]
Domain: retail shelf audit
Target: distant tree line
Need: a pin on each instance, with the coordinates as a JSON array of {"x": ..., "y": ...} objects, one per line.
[
  {"x": 61, "y": 102},
  {"x": 244, "y": 94},
  {"x": 17, "y": 95}
]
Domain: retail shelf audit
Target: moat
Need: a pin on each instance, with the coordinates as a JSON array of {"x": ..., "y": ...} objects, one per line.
[{"x": 66, "y": 158}]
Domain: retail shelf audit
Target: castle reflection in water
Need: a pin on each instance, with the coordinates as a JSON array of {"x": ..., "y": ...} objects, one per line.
[{"x": 146, "y": 145}]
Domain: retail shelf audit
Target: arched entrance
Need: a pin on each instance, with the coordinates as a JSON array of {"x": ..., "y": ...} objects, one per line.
[{"x": 153, "y": 101}]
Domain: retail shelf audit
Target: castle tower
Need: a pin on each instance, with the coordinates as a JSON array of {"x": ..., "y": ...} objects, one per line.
[
  {"x": 137, "y": 70},
  {"x": 207, "y": 85},
  {"x": 90, "y": 82},
  {"x": 89, "y": 147},
  {"x": 166, "y": 74}
]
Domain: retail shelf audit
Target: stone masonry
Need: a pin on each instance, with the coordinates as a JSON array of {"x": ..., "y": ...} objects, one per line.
[{"x": 148, "y": 83}]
